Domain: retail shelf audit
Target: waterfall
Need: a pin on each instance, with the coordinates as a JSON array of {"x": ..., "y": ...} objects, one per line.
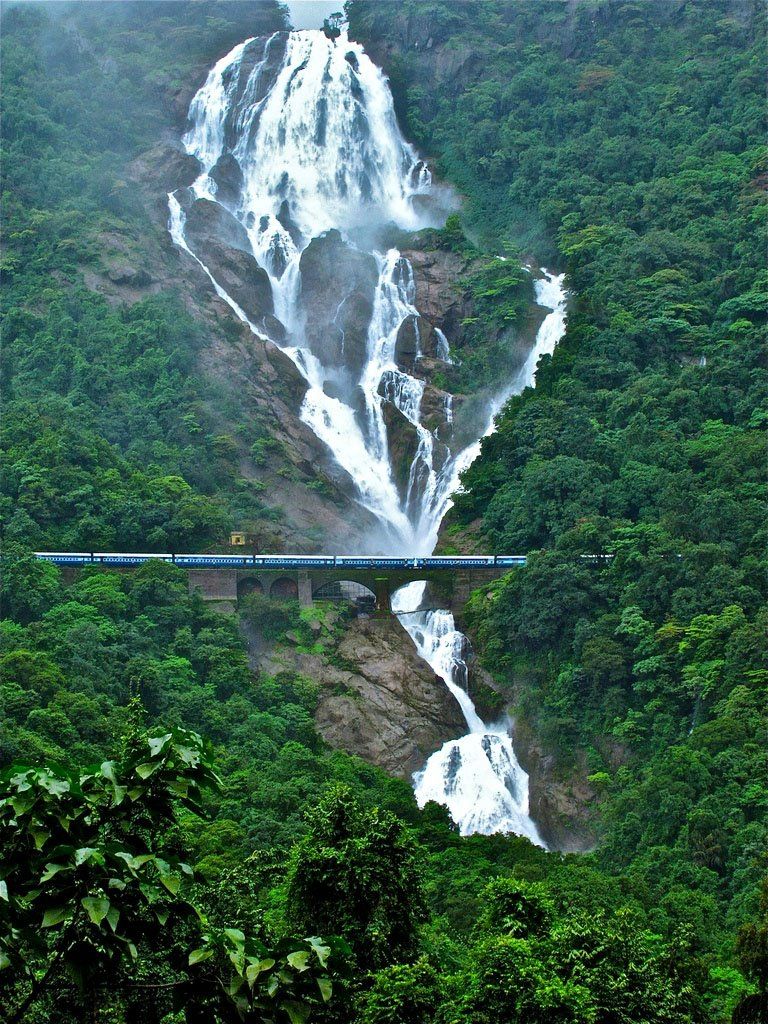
[
  {"x": 304, "y": 174},
  {"x": 297, "y": 136},
  {"x": 477, "y": 777}
]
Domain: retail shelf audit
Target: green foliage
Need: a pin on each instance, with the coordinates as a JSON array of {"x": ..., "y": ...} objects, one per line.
[
  {"x": 617, "y": 141},
  {"x": 110, "y": 438},
  {"x": 356, "y": 873},
  {"x": 69, "y": 669},
  {"x": 403, "y": 994},
  {"x": 89, "y": 873},
  {"x": 75, "y": 853}
]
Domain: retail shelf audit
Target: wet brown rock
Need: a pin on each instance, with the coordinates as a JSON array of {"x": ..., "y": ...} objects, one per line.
[
  {"x": 208, "y": 222},
  {"x": 124, "y": 273},
  {"x": 393, "y": 711},
  {"x": 403, "y": 444},
  {"x": 166, "y": 162},
  {"x": 228, "y": 176},
  {"x": 337, "y": 286},
  {"x": 563, "y": 806},
  {"x": 439, "y": 298}
]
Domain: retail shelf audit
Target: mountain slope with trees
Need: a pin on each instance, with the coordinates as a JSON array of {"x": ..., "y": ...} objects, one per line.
[
  {"x": 623, "y": 142},
  {"x": 615, "y": 140}
]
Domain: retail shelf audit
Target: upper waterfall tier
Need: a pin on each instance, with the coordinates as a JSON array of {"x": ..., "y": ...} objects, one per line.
[
  {"x": 303, "y": 168},
  {"x": 312, "y": 130}
]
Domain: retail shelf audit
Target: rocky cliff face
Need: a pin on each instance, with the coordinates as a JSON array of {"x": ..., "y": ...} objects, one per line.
[
  {"x": 377, "y": 698},
  {"x": 564, "y": 807}
]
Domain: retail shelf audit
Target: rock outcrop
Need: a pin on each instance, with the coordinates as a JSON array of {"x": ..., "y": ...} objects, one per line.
[
  {"x": 563, "y": 806},
  {"x": 386, "y": 705},
  {"x": 395, "y": 711},
  {"x": 440, "y": 298},
  {"x": 338, "y": 283},
  {"x": 228, "y": 175},
  {"x": 208, "y": 222}
]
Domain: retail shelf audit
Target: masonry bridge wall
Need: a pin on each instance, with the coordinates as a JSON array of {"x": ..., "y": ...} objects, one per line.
[{"x": 229, "y": 585}]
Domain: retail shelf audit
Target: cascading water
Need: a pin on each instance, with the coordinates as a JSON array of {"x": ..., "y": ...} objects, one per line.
[
  {"x": 300, "y": 154},
  {"x": 478, "y": 777},
  {"x": 297, "y": 136}
]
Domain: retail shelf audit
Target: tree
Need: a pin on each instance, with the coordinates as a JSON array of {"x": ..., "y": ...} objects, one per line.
[
  {"x": 402, "y": 994},
  {"x": 91, "y": 873},
  {"x": 333, "y": 25},
  {"x": 752, "y": 951},
  {"x": 356, "y": 874}
]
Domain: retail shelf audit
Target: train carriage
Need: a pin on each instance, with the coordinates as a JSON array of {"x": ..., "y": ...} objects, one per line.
[
  {"x": 374, "y": 562},
  {"x": 126, "y": 558}
]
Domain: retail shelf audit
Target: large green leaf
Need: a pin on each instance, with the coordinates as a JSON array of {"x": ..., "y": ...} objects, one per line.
[
  {"x": 253, "y": 970},
  {"x": 198, "y": 955},
  {"x": 97, "y": 908},
  {"x": 54, "y": 916},
  {"x": 298, "y": 1013},
  {"x": 51, "y": 870},
  {"x": 299, "y": 959},
  {"x": 158, "y": 743}
]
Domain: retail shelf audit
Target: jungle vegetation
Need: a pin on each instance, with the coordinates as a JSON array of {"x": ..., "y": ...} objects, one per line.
[{"x": 177, "y": 845}]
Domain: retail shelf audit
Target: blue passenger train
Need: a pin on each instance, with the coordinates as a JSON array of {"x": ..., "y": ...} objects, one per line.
[{"x": 204, "y": 561}]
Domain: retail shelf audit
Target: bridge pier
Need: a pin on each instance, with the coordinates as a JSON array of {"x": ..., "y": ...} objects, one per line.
[
  {"x": 463, "y": 585},
  {"x": 383, "y": 601},
  {"x": 305, "y": 590}
]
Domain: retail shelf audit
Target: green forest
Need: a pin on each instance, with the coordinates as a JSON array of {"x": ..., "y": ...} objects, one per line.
[{"x": 177, "y": 843}]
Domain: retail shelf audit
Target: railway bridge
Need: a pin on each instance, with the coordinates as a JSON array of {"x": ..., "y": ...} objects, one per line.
[{"x": 225, "y": 579}]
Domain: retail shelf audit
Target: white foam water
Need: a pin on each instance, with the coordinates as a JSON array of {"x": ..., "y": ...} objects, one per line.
[{"x": 313, "y": 130}]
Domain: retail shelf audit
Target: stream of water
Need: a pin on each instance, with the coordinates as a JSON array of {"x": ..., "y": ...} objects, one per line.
[{"x": 296, "y": 136}]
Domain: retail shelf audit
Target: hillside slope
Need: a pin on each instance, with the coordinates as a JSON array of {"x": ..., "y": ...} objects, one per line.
[{"x": 623, "y": 142}]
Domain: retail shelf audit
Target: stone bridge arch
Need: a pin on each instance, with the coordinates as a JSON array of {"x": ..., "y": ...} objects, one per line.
[
  {"x": 249, "y": 585},
  {"x": 284, "y": 587},
  {"x": 343, "y": 591}
]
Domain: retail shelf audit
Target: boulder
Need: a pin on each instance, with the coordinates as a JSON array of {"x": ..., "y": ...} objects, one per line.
[
  {"x": 416, "y": 337},
  {"x": 242, "y": 279},
  {"x": 220, "y": 241},
  {"x": 434, "y": 411},
  {"x": 120, "y": 272},
  {"x": 286, "y": 221},
  {"x": 338, "y": 284},
  {"x": 228, "y": 176},
  {"x": 167, "y": 164},
  {"x": 438, "y": 298},
  {"x": 208, "y": 222},
  {"x": 407, "y": 345}
]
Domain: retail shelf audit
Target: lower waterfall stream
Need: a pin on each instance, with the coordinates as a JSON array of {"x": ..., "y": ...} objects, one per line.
[
  {"x": 302, "y": 164},
  {"x": 477, "y": 777}
]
